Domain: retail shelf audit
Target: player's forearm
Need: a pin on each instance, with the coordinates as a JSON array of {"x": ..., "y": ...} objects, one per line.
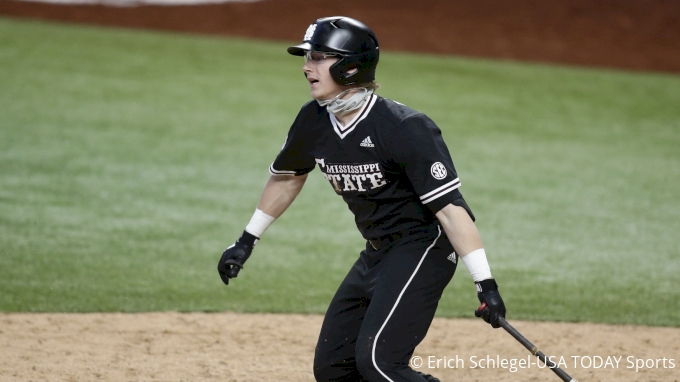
[
  {"x": 279, "y": 193},
  {"x": 464, "y": 236},
  {"x": 460, "y": 229}
]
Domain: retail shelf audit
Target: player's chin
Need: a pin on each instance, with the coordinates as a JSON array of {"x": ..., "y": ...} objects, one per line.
[{"x": 316, "y": 94}]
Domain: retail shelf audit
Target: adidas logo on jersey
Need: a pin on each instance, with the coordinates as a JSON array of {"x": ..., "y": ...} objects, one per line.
[{"x": 367, "y": 142}]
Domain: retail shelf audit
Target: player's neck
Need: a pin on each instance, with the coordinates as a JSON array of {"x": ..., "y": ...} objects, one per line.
[
  {"x": 347, "y": 103},
  {"x": 346, "y": 118}
]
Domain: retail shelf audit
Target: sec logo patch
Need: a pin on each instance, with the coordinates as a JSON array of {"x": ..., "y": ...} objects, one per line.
[{"x": 438, "y": 171}]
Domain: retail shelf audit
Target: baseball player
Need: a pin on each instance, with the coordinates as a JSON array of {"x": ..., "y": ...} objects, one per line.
[{"x": 391, "y": 166}]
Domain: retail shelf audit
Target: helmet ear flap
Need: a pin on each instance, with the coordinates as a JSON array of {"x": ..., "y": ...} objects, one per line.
[
  {"x": 340, "y": 72},
  {"x": 364, "y": 69}
]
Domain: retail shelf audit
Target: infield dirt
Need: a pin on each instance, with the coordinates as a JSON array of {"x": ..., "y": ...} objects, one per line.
[{"x": 280, "y": 347}]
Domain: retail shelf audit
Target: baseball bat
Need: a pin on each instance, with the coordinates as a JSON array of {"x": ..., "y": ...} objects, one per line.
[{"x": 533, "y": 349}]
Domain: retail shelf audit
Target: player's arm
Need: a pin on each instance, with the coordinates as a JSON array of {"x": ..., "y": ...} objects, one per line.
[
  {"x": 278, "y": 194},
  {"x": 464, "y": 236}
]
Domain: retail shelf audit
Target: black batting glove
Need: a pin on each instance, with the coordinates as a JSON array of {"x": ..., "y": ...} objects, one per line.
[
  {"x": 492, "y": 307},
  {"x": 234, "y": 257}
]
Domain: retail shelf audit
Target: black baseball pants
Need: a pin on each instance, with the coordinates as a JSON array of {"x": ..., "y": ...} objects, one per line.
[{"x": 383, "y": 309}]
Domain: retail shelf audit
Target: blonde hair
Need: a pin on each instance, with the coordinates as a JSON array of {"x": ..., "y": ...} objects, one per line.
[{"x": 370, "y": 85}]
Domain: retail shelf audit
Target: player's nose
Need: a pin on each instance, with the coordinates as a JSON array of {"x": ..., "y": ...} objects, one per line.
[{"x": 306, "y": 68}]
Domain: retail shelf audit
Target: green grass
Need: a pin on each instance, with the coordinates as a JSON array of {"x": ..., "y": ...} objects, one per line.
[{"x": 130, "y": 160}]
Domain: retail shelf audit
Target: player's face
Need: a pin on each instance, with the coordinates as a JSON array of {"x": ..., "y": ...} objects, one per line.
[{"x": 316, "y": 69}]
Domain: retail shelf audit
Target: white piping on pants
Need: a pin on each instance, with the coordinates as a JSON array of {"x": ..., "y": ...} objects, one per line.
[{"x": 439, "y": 233}]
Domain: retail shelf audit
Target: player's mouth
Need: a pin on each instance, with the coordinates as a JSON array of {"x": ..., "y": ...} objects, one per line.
[{"x": 312, "y": 81}]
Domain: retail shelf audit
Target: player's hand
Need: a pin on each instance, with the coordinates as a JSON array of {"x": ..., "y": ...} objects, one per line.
[
  {"x": 492, "y": 307},
  {"x": 234, "y": 257}
]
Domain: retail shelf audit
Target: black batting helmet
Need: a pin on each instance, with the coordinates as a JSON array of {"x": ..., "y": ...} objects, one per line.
[{"x": 350, "y": 39}]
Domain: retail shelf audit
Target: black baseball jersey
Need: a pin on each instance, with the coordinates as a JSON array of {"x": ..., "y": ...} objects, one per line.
[{"x": 390, "y": 163}]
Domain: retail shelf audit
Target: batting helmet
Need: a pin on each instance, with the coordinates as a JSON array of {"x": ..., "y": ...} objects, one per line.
[{"x": 350, "y": 39}]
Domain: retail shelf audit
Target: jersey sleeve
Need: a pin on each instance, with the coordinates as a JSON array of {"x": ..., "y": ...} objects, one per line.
[
  {"x": 295, "y": 157},
  {"x": 419, "y": 149}
]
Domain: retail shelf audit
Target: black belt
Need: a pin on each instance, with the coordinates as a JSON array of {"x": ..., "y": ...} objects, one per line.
[{"x": 383, "y": 241}]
